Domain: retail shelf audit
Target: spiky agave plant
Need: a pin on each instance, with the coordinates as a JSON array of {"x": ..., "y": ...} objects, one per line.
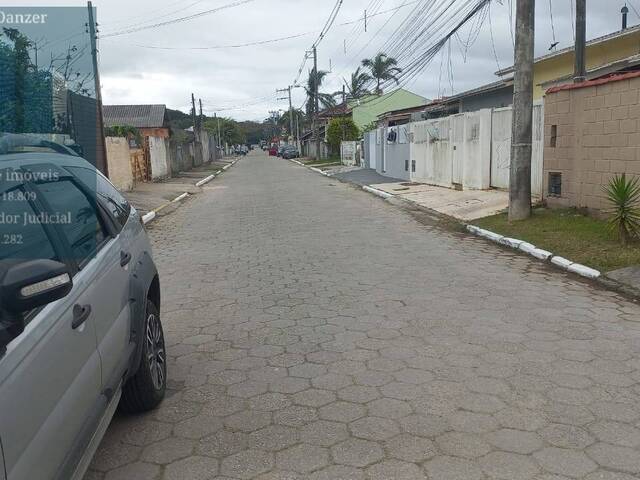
[{"x": 624, "y": 195}]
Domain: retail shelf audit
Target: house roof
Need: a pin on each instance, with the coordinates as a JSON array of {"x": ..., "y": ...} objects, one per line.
[
  {"x": 595, "y": 41},
  {"x": 401, "y": 112},
  {"x": 337, "y": 111},
  {"x": 139, "y": 116},
  {"x": 594, "y": 83}
]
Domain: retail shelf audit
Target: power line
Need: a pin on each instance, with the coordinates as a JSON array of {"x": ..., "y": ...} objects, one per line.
[{"x": 178, "y": 20}]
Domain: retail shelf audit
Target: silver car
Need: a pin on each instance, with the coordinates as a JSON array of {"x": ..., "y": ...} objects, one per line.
[{"x": 80, "y": 330}]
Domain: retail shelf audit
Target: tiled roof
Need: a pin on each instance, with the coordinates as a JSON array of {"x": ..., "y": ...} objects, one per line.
[{"x": 139, "y": 116}]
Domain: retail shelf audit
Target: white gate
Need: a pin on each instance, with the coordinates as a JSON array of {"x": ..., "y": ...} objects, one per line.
[
  {"x": 457, "y": 142},
  {"x": 501, "y": 148}
]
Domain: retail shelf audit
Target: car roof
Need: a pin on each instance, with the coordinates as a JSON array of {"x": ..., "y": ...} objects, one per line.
[{"x": 17, "y": 160}]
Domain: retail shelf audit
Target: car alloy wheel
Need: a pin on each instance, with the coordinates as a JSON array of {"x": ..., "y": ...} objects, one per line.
[{"x": 155, "y": 351}]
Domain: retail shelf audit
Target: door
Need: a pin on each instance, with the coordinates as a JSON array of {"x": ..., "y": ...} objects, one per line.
[
  {"x": 109, "y": 286},
  {"x": 50, "y": 372},
  {"x": 457, "y": 141}
]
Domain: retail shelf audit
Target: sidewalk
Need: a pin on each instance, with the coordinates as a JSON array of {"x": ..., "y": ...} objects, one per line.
[
  {"x": 463, "y": 205},
  {"x": 147, "y": 197}
]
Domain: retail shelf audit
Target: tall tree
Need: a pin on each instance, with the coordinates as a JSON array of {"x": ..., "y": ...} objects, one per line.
[
  {"x": 298, "y": 118},
  {"x": 383, "y": 69},
  {"x": 357, "y": 86},
  {"x": 326, "y": 100}
]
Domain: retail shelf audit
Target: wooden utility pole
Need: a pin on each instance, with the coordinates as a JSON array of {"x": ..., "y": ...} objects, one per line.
[
  {"x": 521, "y": 138},
  {"x": 101, "y": 146},
  {"x": 580, "y": 73},
  {"x": 316, "y": 102}
]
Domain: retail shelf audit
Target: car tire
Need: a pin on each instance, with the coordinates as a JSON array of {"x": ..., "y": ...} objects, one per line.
[{"x": 146, "y": 389}]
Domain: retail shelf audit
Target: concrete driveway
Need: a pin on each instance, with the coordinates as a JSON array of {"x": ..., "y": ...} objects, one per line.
[{"x": 317, "y": 332}]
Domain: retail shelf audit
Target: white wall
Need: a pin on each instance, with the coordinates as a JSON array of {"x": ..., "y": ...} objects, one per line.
[
  {"x": 471, "y": 149},
  {"x": 119, "y": 163},
  {"x": 159, "y": 158}
]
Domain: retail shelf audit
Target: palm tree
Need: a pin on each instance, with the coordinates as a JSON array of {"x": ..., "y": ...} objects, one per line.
[
  {"x": 383, "y": 69},
  {"x": 298, "y": 118},
  {"x": 357, "y": 87},
  {"x": 326, "y": 100}
]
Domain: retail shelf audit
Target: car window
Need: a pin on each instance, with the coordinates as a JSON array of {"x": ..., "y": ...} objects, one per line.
[
  {"x": 22, "y": 236},
  {"x": 109, "y": 195},
  {"x": 76, "y": 216}
]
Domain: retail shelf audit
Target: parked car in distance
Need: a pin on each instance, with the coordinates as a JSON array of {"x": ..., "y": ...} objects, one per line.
[
  {"x": 273, "y": 151},
  {"x": 281, "y": 150},
  {"x": 290, "y": 152},
  {"x": 80, "y": 329}
]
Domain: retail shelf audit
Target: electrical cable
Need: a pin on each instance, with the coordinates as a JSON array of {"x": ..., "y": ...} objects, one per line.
[{"x": 178, "y": 20}]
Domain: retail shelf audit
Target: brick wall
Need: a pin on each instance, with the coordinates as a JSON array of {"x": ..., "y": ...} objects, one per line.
[{"x": 592, "y": 132}]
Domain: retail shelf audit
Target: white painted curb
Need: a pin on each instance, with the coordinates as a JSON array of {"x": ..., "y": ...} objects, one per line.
[
  {"x": 205, "y": 180},
  {"x": 377, "y": 192},
  {"x": 180, "y": 197},
  {"x": 148, "y": 217},
  {"x": 536, "y": 252}
]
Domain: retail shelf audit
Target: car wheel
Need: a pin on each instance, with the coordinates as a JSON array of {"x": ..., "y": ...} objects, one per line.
[{"x": 146, "y": 389}]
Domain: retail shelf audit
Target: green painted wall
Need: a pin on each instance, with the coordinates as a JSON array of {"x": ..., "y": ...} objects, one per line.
[{"x": 367, "y": 109}]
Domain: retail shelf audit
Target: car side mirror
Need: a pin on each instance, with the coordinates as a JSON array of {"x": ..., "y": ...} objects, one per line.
[{"x": 33, "y": 284}]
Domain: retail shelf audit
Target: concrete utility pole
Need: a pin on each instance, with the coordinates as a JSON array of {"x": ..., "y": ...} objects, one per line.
[
  {"x": 580, "y": 73},
  {"x": 316, "y": 102},
  {"x": 193, "y": 116},
  {"x": 101, "y": 146},
  {"x": 288, "y": 90},
  {"x": 521, "y": 148}
]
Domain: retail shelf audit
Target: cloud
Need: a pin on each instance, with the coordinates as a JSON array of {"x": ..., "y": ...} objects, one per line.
[{"x": 224, "y": 77}]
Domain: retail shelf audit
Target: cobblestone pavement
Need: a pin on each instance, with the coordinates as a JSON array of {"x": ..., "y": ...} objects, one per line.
[{"x": 317, "y": 332}]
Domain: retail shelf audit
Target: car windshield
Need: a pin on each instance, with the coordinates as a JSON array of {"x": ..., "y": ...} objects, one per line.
[{"x": 12, "y": 144}]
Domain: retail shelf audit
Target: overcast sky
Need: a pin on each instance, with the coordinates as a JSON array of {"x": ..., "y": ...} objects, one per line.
[{"x": 246, "y": 78}]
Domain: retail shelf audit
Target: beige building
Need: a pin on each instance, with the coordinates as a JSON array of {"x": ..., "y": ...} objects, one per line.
[{"x": 592, "y": 132}]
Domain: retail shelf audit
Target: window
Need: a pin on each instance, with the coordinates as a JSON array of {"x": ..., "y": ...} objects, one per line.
[
  {"x": 105, "y": 191},
  {"x": 413, "y": 166},
  {"x": 555, "y": 184},
  {"x": 72, "y": 211},
  {"x": 22, "y": 236},
  {"x": 553, "y": 139},
  {"x": 406, "y": 165}
]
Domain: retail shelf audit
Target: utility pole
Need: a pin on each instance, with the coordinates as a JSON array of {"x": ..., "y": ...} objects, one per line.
[
  {"x": 316, "y": 102},
  {"x": 298, "y": 134},
  {"x": 521, "y": 148},
  {"x": 193, "y": 116},
  {"x": 219, "y": 134},
  {"x": 580, "y": 73},
  {"x": 201, "y": 116},
  {"x": 288, "y": 90},
  {"x": 100, "y": 142}
]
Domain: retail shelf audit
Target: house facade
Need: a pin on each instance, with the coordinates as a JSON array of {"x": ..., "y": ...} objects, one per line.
[{"x": 150, "y": 160}]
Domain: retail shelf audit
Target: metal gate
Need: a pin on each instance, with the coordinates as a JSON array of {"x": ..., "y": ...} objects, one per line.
[{"x": 457, "y": 127}]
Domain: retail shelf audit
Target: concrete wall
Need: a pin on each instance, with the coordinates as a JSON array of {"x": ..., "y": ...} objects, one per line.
[
  {"x": 597, "y": 129},
  {"x": 392, "y": 157},
  {"x": 469, "y": 150},
  {"x": 159, "y": 159},
  {"x": 119, "y": 163}
]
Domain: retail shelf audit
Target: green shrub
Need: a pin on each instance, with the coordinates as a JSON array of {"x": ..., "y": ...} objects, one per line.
[
  {"x": 339, "y": 130},
  {"x": 624, "y": 195}
]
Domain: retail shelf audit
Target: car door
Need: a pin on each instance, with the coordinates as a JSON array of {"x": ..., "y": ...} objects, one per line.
[
  {"x": 107, "y": 289},
  {"x": 50, "y": 371},
  {"x": 112, "y": 287}
]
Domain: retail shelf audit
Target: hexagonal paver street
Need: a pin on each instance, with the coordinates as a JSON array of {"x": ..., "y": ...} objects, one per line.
[{"x": 317, "y": 332}]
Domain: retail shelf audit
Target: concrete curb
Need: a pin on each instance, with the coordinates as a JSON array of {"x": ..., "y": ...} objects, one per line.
[
  {"x": 377, "y": 192},
  {"x": 206, "y": 180},
  {"x": 536, "y": 252}
]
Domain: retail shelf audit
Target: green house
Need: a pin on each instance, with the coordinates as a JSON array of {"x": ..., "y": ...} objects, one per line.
[
  {"x": 367, "y": 109},
  {"x": 363, "y": 111}
]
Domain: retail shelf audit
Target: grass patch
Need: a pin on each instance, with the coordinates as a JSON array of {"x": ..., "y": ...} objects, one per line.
[{"x": 568, "y": 233}]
